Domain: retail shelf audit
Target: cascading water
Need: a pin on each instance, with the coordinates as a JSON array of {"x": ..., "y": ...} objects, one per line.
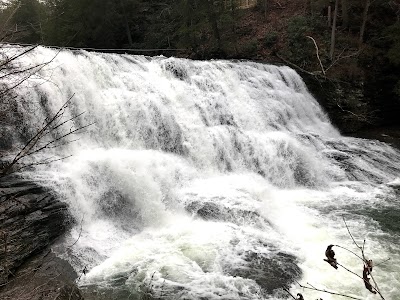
[{"x": 211, "y": 180}]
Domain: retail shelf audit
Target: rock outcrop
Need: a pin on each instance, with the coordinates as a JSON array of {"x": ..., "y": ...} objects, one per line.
[
  {"x": 345, "y": 103},
  {"x": 31, "y": 218},
  {"x": 42, "y": 277}
]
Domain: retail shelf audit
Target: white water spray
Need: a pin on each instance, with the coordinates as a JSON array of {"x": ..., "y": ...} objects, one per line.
[{"x": 211, "y": 180}]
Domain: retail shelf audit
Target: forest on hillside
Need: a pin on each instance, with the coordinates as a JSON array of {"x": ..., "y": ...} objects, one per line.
[
  {"x": 205, "y": 29},
  {"x": 346, "y": 40}
]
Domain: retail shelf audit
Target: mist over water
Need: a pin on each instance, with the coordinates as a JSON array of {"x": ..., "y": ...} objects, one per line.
[{"x": 211, "y": 180}]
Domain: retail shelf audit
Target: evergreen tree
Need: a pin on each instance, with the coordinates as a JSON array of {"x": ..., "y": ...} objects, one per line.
[{"x": 26, "y": 21}]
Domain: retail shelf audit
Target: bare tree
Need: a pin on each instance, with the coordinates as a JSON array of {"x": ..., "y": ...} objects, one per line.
[
  {"x": 333, "y": 34},
  {"x": 317, "y": 53},
  {"x": 367, "y": 263},
  {"x": 51, "y": 135},
  {"x": 345, "y": 13},
  {"x": 264, "y": 4},
  {"x": 373, "y": 288},
  {"x": 212, "y": 18},
  {"x": 367, "y": 4},
  {"x": 126, "y": 23},
  {"x": 55, "y": 131}
]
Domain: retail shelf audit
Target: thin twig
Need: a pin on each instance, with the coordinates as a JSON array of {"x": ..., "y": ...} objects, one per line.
[
  {"x": 287, "y": 291},
  {"x": 340, "y": 57},
  {"x": 348, "y": 270},
  {"x": 80, "y": 232},
  {"x": 32, "y": 142},
  {"x": 56, "y": 140},
  {"x": 376, "y": 287},
  {"x": 350, "y": 252},
  {"x": 7, "y": 61},
  {"x": 44, "y": 162},
  {"x": 375, "y": 265},
  {"x": 348, "y": 230},
  {"x": 325, "y": 291}
]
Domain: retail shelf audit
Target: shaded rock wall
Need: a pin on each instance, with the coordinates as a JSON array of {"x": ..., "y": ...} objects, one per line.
[
  {"x": 345, "y": 103},
  {"x": 30, "y": 219},
  {"x": 355, "y": 106},
  {"x": 43, "y": 277}
]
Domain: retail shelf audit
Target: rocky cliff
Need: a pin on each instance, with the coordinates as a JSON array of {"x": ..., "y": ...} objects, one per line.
[{"x": 31, "y": 218}]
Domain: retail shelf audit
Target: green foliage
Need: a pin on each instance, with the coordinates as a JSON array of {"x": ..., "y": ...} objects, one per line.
[
  {"x": 299, "y": 47},
  {"x": 298, "y": 26},
  {"x": 393, "y": 36},
  {"x": 86, "y": 23},
  {"x": 158, "y": 25},
  {"x": 270, "y": 39},
  {"x": 25, "y": 20},
  {"x": 320, "y": 5},
  {"x": 249, "y": 49},
  {"x": 203, "y": 26},
  {"x": 207, "y": 27}
]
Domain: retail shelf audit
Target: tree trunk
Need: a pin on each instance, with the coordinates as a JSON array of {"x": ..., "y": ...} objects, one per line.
[
  {"x": 126, "y": 23},
  {"x": 329, "y": 16},
  {"x": 364, "y": 20},
  {"x": 265, "y": 9},
  {"x": 234, "y": 16},
  {"x": 214, "y": 24},
  {"x": 333, "y": 35},
  {"x": 308, "y": 8},
  {"x": 128, "y": 32},
  {"x": 345, "y": 13}
]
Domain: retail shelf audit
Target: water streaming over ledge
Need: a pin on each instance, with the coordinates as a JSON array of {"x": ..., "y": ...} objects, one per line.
[{"x": 211, "y": 180}]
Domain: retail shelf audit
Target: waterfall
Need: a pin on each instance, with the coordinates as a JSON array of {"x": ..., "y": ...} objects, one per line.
[{"x": 209, "y": 179}]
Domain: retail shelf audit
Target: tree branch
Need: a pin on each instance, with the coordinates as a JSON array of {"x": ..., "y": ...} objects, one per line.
[
  {"x": 325, "y": 291},
  {"x": 317, "y": 53}
]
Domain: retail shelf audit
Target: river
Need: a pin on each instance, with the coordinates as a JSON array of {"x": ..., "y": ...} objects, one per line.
[{"x": 210, "y": 180}]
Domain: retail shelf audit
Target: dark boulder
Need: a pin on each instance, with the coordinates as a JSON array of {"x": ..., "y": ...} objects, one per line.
[
  {"x": 42, "y": 277},
  {"x": 271, "y": 272},
  {"x": 211, "y": 210},
  {"x": 31, "y": 218}
]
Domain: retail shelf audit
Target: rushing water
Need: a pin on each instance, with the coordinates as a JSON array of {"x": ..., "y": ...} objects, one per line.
[{"x": 211, "y": 180}]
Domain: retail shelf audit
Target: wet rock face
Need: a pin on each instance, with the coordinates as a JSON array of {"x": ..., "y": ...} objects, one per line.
[
  {"x": 30, "y": 219},
  {"x": 270, "y": 272},
  {"x": 210, "y": 211},
  {"x": 345, "y": 103},
  {"x": 43, "y": 277},
  {"x": 6, "y": 138}
]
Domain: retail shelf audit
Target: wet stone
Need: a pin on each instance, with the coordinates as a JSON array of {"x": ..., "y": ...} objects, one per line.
[
  {"x": 212, "y": 211},
  {"x": 270, "y": 273},
  {"x": 31, "y": 218}
]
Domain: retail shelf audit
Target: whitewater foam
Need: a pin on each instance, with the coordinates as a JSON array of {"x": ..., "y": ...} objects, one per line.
[{"x": 210, "y": 180}]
